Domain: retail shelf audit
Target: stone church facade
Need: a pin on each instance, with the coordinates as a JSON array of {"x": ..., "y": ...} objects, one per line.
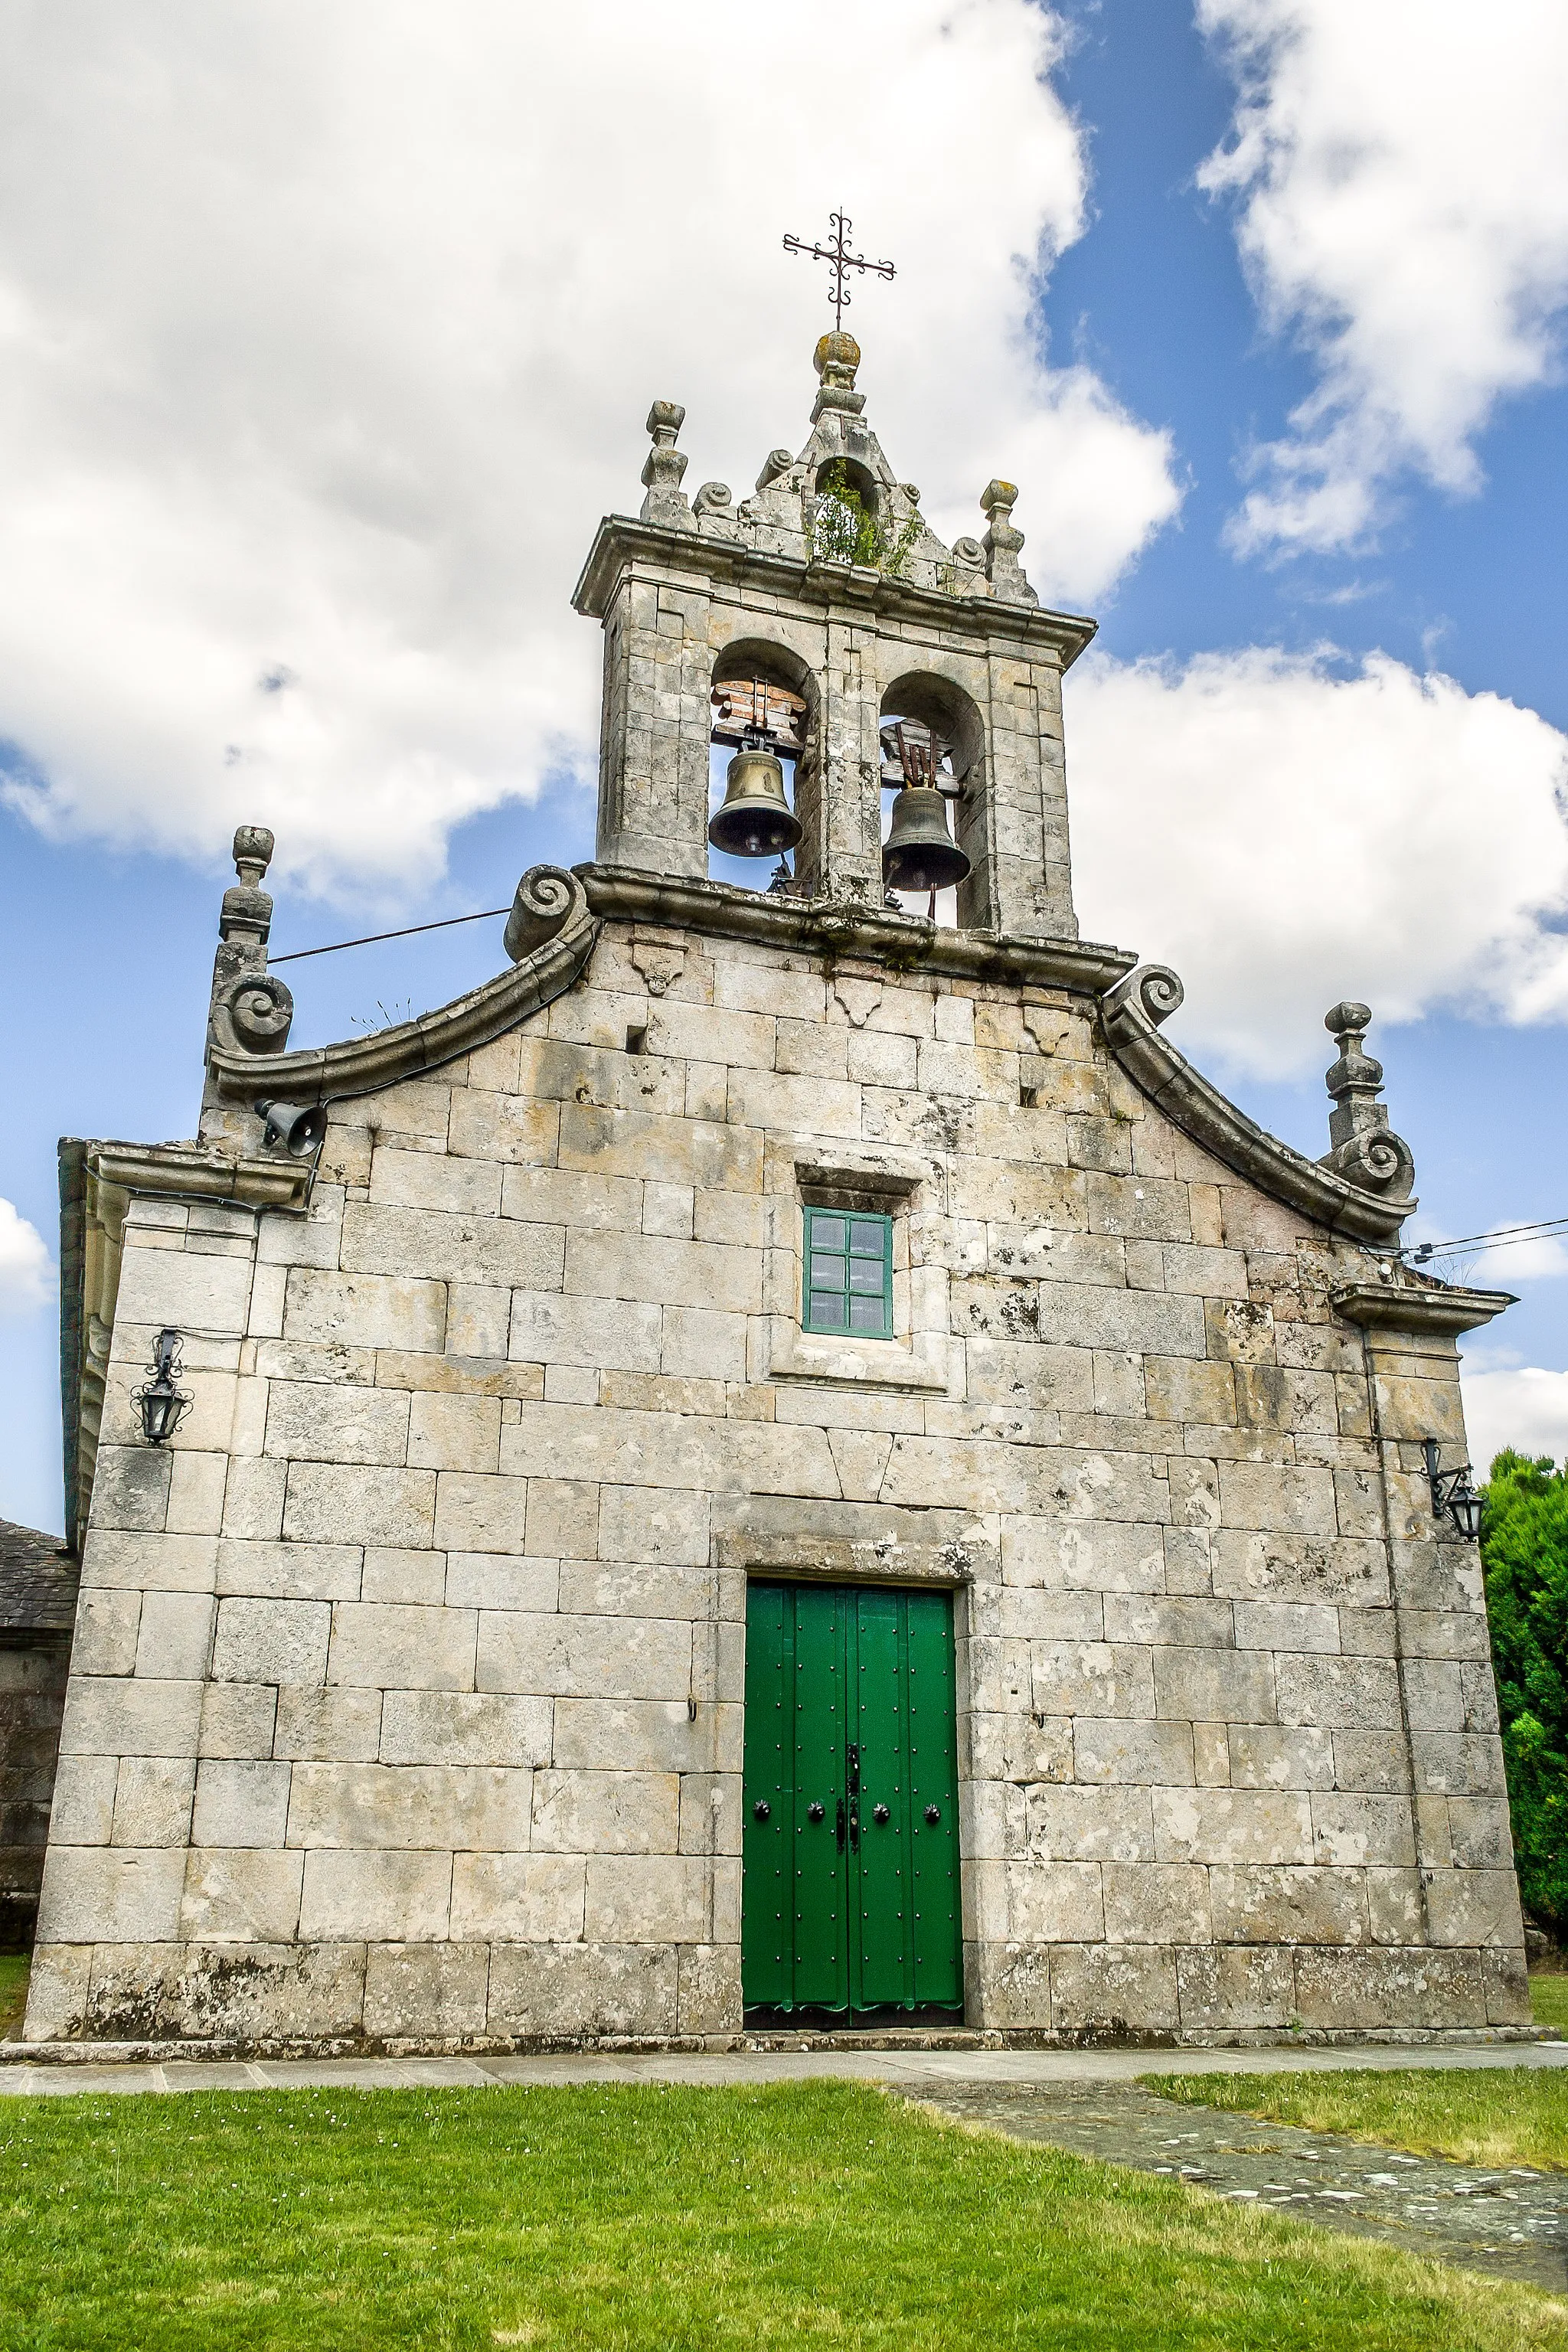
[{"x": 552, "y": 1621}]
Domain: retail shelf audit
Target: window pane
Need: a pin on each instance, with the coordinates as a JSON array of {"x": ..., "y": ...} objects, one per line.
[
  {"x": 826, "y": 1273},
  {"x": 865, "y": 1234},
  {"x": 829, "y": 1232},
  {"x": 866, "y": 1314},
  {"x": 828, "y": 1312},
  {"x": 865, "y": 1274}
]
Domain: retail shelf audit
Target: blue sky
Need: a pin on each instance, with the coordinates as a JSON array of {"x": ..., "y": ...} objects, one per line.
[{"x": 231, "y": 494}]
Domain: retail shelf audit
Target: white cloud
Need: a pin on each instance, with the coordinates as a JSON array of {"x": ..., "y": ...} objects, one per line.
[
  {"x": 1402, "y": 178},
  {"x": 1544, "y": 1259},
  {"x": 24, "y": 1269},
  {"x": 1286, "y": 835},
  {"x": 1526, "y": 1409},
  {"x": 326, "y": 335}
]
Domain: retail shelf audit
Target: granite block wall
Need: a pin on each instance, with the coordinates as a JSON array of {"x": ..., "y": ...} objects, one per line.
[{"x": 406, "y": 1701}]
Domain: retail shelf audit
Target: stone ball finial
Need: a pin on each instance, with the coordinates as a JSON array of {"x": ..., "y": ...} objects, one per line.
[
  {"x": 1364, "y": 1149},
  {"x": 664, "y": 468},
  {"x": 253, "y": 847},
  {"x": 1002, "y": 542},
  {"x": 837, "y": 351}
]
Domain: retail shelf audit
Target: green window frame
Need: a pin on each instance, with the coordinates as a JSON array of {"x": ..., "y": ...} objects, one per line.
[{"x": 848, "y": 1273}]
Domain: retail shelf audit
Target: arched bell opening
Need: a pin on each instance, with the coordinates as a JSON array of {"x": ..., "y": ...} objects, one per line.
[
  {"x": 763, "y": 707},
  {"x": 932, "y": 748}
]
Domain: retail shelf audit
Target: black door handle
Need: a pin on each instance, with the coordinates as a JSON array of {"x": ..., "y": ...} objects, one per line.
[
  {"x": 813, "y": 1812},
  {"x": 880, "y": 1813},
  {"x": 933, "y": 1814},
  {"x": 839, "y": 1825},
  {"x": 760, "y": 1810}
]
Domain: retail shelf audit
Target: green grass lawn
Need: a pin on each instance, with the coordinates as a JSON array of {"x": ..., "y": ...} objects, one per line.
[
  {"x": 13, "y": 1991},
  {"x": 1548, "y": 1998},
  {"x": 612, "y": 2220},
  {"x": 1501, "y": 2115}
]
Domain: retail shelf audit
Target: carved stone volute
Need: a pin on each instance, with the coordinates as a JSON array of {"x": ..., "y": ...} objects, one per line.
[
  {"x": 1154, "y": 990},
  {"x": 546, "y": 898}
]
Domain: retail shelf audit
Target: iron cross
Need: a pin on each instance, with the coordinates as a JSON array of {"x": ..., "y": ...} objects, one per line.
[{"x": 841, "y": 260}]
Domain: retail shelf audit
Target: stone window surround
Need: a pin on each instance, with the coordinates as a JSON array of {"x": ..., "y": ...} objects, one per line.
[{"x": 917, "y": 1356}]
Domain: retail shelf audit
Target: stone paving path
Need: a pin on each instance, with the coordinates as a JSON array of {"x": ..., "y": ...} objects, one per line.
[
  {"x": 1513, "y": 2221},
  {"x": 58, "y": 2078}
]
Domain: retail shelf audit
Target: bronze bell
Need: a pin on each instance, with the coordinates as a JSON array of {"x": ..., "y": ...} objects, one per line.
[
  {"x": 755, "y": 820},
  {"x": 920, "y": 854}
]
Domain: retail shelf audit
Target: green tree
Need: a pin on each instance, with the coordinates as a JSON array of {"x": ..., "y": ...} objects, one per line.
[{"x": 1524, "y": 1554}]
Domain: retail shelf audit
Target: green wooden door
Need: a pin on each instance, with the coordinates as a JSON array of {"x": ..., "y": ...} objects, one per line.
[{"x": 850, "y": 1898}]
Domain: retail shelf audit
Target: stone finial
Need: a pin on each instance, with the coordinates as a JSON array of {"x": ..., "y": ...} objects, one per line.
[
  {"x": 1355, "y": 1078},
  {"x": 1365, "y": 1150},
  {"x": 1001, "y": 542},
  {"x": 835, "y": 358},
  {"x": 247, "y": 912},
  {"x": 251, "y": 1008},
  {"x": 664, "y": 466},
  {"x": 253, "y": 847}
]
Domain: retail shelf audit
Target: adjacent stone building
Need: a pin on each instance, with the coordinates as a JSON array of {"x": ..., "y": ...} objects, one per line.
[
  {"x": 779, "y": 1458},
  {"x": 37, "y": 1608}
]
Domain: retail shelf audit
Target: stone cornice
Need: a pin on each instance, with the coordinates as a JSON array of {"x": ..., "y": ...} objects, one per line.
[
  {"x": 196, "y": 1171},
  {"x": 848, "y": 926},
  {"x": 622, "y": 540},
  {"x": 1435, "y": 1311},
  {"x": 1201, "y": 1111},
  {"x": 552, "y": 928}
]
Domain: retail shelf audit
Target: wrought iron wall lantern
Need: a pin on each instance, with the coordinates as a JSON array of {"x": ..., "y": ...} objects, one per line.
[
  {"x": 1453, "y": 1493},
  {"x": 163, "y": 1406}
]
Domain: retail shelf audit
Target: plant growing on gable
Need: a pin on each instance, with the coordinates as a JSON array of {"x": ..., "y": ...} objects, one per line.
[{"x": 845, "y": 531}]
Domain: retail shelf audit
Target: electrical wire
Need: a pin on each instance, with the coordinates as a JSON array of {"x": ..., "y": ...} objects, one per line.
[
  {"x": 1500, "y": 1237},
  {"x": 298, "y": 955}
]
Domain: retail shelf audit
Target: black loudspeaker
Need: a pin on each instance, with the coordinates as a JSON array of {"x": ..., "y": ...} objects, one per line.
[{"x": 298, "y": 1127}]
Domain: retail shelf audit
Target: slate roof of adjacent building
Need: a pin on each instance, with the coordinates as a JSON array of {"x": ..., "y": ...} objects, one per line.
[{"x": 39, "y": 1579}]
